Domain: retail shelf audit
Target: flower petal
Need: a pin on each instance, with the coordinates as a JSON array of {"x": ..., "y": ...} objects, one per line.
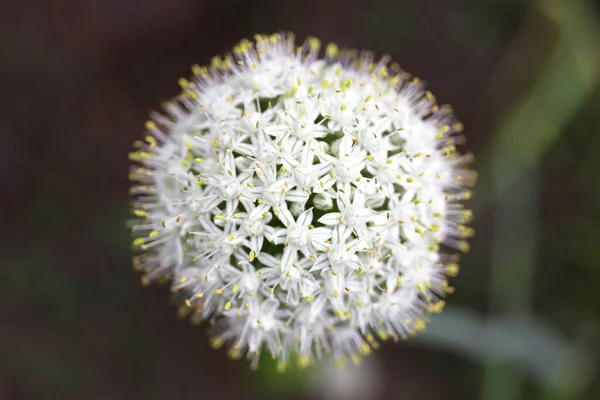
[
  {"x": 331, "y": 218},
  {"x": 305, "y": 218},
  {"x": 285, "y": 216}
]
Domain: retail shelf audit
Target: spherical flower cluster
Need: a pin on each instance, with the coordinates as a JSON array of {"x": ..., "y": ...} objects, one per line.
[{"x": 303, "y": 205}]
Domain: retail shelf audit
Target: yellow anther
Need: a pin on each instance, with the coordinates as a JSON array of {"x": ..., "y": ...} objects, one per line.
[
  {"x": 196, "y": 70},
  {"x": 139, "y": 241},
  {"x": 216, "y": 342},
  {"x": 467, "y": 215},
  {"x": 150, "y": 125},
  {"x": 314, "y": 44},
  {"x": 281, "y": 366},
  {"x": 251, "y": 256},
  {"x": 310, "y": 298},
  {"x": 219, "y": 291},
  {"x": 274, "y": 38},
  {"x": 365, "y": 348},
  {"x": 419, "y": 325},
  {"x": 468, "y": 232},
  {"x": 136, "y": 263},
  {"x": 332, "y": 50},
  {"x": 183, "y": 83},
  {"x": 436, "y": 307},
  {"x": 452, "y": 269},
  {"x": 216, "y": 62},
  {"x": 234, "y": 354},
  {"x": 227, "y": 306},
  {"x": 219, "y": 216},
  {"x": 382, "y": 334},
  {"x": 303, "y": 362},
  {"x": 140, "y": 213},
  {"x": 150, "y": 140}
]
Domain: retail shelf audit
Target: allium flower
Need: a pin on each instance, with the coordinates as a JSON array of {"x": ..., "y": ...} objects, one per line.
[{"x": 300, "y": 204}]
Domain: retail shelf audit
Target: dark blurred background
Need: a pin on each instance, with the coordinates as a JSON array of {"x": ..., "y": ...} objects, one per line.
[{"x": 77, "y": 81}]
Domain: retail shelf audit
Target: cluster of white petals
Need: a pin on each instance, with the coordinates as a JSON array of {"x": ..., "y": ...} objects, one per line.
[{"x": 299, "y": 203}]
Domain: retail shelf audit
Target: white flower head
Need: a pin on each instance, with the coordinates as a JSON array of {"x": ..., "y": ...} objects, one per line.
[{"x": 300, "y": 203}]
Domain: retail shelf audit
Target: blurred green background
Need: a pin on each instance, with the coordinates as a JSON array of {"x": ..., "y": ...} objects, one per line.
[{"x": 78, "y": 79}]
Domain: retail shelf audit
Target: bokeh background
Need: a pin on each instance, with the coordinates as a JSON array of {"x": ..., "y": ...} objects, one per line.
[{"x": 77, "y": 81}]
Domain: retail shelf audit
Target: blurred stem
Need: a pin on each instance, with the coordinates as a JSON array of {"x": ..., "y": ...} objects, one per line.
[
  {"x": 535, "y": 124},
  {"x": 512, "y": 270},
  {"x": 570, "y": 75}
]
